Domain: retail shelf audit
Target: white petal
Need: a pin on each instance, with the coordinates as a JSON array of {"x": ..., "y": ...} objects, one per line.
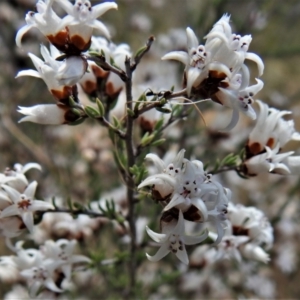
[
  {"x": 9, "y": 211},
  {"x": 179, "y": 159},
  {"x": 162, "y": 252},
  {"x": 21, "y": 32},
  {"x": 27, "y": 218},
  {"x": 29, "y": 166},
  {"x": 49, "y": 283},
  {"x": 182, "y": 255},
  {"x": 102, "y": 8},
  {"x": 177, "y": 55},
  {"x": 43, "y": 114},
  {"x": 221, "y": 68},
  {"x": 254, "y": 57},
  {"x": 34, "y": 288},
  {"x": 176, "y": 200},
  {"x": 13, "y": 194},
  {"x": 192, "y": 41},
  {"x": 201, "y": 206},
  {"x": 30, "y": 190},
  {"x": 67, "y": 6},
  {"x": 38, "y": 205},
  {"x": 38, "y": 63},
  {"x": 234, "y": 120},
  {"x": 101, "y": 28},
  {"x": 179, "y": 228},
  {"x": 194, "y": 78},
  {"x": 159, "y": 178},
  {"x": 32, "y": 73},
  {"x": 157, "y": 237},
  {"x": 159, "y": 164},
  {"x": 192, "y": 240}
]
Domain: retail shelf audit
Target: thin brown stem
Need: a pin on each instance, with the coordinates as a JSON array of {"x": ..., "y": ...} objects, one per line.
[{"x": 129, "y": 180}]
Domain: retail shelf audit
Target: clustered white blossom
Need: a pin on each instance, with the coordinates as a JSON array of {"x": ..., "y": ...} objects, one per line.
[
  {"x": 264, "y": 148},
  {"x": 217, "y": 70},
  {"x": 190, "y": 197},
  {"x": 45, "y": 268},
  {"x": 69, "y": 37}
]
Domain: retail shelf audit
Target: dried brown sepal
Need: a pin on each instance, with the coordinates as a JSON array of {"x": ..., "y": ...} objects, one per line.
[{"x": 193, "y": 214}]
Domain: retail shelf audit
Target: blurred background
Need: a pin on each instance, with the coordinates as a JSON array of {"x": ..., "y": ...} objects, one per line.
[{"x": 77, "y": 161}]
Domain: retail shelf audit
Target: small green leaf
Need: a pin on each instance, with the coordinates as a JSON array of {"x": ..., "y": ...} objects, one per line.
[
  {"x": 92, "y": 112},
  {"x": 140, "y": 51},
  {"x": 159, "y": 124},
  {"x": 130, "y": 112},
  {"x": 100, "y": 107},
  {"x": 158, "y": 142},
  {"x": 164, "y": 110}
]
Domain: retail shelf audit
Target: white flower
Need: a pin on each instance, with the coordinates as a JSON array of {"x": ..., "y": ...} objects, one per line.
[
  {"x": 41, "y": 276},
  {"x": 82, "y": 19},
  {"x": 270, "y": 130},
  {"x": 272, "y": 162},
  {"x": 50, "y": 114},
  {"x": 216, "y": 70},
  {"x": 62, "y": 250},
  {"x": 24, "y": 204},
  {"x": 16, "y": 177},
  {"x": 174, "y": 240},
  {"x": 45, "y": 20},
  {"x": 185, "y": 186},
  {"x": 248, "y": 233},
  {"x": 59, "y": 76}
]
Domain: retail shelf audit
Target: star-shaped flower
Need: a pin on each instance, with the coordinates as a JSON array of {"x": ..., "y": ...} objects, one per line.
[
  {"x": 24, "y": 204},
  {"x": 174, "y": 240}
]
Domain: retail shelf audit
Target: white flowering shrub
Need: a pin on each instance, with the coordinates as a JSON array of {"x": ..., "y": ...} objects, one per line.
[{"x": 156, "y": 150}]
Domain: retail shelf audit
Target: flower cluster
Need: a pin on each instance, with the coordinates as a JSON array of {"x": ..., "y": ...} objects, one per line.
[
  {"x": 65, "y": 64},
  {"x": 49, "y": 267},
  {"x": 217, "y": 70},
  {"x": 187, "y": 193},
  {"x": 264, "y": 148},
  {"x": 249, "y": 234}
]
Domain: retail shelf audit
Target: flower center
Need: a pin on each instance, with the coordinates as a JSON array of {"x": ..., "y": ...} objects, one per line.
[
  {"x": 24, "y": 202},
  {"x": 175, "y": 243}
]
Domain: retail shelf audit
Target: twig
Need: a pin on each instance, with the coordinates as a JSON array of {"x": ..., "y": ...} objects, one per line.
[
  {"x": 107, "y": 124},
  {"x": 75, "y": 212},
  {"x": 166, "y": 95},
  {"x": 129, "y": 180},
  {"x": 141, "y": 53},
  {"x": 100, "y": 60}
]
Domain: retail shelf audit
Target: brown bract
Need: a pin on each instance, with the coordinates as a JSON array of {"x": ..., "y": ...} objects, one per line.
[{"x": 73, "y": 45}]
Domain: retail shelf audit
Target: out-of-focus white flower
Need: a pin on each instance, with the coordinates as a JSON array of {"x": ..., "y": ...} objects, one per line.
[
  {"x": 16, "y": 177},
  {"x": 220, "y": 62},
  {"x": 248, "y": 233},
  {"x": 270, "y": 130},
  {"x": 24, "y": 204},
  {"x": 59, "y": 76},
  {"x": 41, "y": 276},
  {"x": 82, "y": 19},
  {"x": 47, "y": 114},
  {"x": 62, "y": 250},
  {"x": 8, "y": 269},
  {"x": 173, "y": 239},
  {"x": 11, "y": 227},
  {"x": 270, "y": 134},
  {"x": 270, "y": 161}
]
